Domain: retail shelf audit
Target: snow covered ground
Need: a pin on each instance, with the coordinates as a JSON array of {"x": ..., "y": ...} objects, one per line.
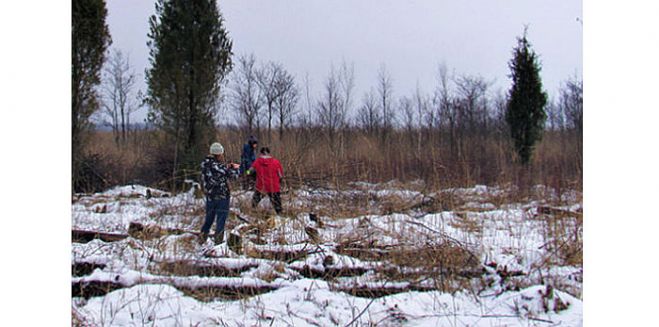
[{"x": 406, "y": 257}]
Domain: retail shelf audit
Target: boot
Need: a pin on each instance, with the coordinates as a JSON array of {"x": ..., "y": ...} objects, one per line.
[
  {"x": 202, "y": 237},
  {"x": 218, "y": 238}
]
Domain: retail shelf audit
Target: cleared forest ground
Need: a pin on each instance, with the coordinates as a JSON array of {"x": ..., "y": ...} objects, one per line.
[{"x": 366, "y": 254}]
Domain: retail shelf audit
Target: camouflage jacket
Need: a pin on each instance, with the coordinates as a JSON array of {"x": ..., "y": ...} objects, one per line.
[{"x": 215, "y": 176}]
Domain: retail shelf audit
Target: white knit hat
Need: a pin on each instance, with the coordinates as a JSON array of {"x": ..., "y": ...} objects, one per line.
[{"x": 217, "y": 148}]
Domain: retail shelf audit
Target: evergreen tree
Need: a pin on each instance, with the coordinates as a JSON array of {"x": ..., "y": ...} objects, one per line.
[
  {"x": 525, "y": 112},
  {"x": 190, "y": 55},
  {"x": 90, "y": 38}
]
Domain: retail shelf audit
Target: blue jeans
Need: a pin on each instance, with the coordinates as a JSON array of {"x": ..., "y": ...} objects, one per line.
[{"x": 216, "y": 208}]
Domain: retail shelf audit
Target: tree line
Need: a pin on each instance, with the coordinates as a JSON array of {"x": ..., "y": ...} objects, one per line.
[{"x": 195, "y": 83}]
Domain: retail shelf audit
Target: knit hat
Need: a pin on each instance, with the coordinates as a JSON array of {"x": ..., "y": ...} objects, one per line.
[
  {"x": 252, "y": 139},
  {"x": 217, "y": 148}
]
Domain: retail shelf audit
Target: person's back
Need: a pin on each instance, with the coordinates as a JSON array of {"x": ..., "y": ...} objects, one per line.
[
  {"x": 268, "y": 173},
  {"x": 268, "y": 177},
  {"x": 214, "y": 177},
  {"x": 247, "y": 158},
  {"x": 248, "y": 155}
]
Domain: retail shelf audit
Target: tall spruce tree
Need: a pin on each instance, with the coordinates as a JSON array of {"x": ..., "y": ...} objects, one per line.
[
  {"x": 190, "y": 55},
  {"x": 90, "y": 37},
  {"x": 525, "y": 111}
]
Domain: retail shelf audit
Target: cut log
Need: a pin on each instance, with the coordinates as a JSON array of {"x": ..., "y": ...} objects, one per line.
[
  {"x": 279, "y": 255},
  {"x": 90, "y": 289},
  {"x": 84, "y": 268},
  {"x": 376, "y": 292},
  {"x": 547, "y": 210},
  {"x": 148, "y": 232},
  {"x": 196, "y": 268},
  {"x": 93, "y": 288},
  {"x": 330, "y": 272},
  {"x": 83, "y": 236}
]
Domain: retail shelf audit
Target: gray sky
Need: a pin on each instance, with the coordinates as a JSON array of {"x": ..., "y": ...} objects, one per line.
[{"x": 411, "y": 38}]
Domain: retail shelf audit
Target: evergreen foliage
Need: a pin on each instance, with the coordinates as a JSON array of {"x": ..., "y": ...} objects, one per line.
[
  {"x": 190, "y": 55},
  {"x": 90, "y": 38},
  {"x": 525, "y": 111}
]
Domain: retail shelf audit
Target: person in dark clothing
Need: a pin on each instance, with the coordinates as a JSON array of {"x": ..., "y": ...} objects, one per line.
[
  {"x": 214, "y": 177},
  {"x": 247, "y": 158},
  {"x": 268, "y": 178}
]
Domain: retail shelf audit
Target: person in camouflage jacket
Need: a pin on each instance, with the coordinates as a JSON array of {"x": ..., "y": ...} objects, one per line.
[{"x": 214, "y": 177}]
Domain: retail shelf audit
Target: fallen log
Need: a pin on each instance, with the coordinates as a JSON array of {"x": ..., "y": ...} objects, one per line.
[
  {"x": 84, "y": 268},
  {"x": 330, "y": 272},
  {"x": 547, "y": 210},
  {"x": 148, "y": 232},
  {"x": 83, "y": 236},
  {"x": 93, "y": 288},
  {"x": 89, "y": 289},
  {"x": 279, "y": 255},
  {"x": 379, "y": 291},
  {"x": 227, "y": 292},
  {"x": 202, "y": 269}
]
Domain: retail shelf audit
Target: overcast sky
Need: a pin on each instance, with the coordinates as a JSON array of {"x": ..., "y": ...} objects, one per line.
[{"x": 411, "y": 38}]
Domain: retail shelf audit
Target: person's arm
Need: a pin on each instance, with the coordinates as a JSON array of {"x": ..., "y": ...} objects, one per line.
[
  {"x": 221, "y": 171},
  {"x": 233, "y": 170}
]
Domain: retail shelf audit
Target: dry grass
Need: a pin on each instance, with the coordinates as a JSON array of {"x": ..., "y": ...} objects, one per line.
[
  {"x": 564, "y": 239},
  {"x": 467, "y": 222},
  {"x": 309, "y": 159}
]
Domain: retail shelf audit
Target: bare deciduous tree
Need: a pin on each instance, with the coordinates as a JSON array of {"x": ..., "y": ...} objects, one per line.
[
  {"x": 335, "y": 102},
  {"x": 368, "y": 116},
  {"x": 266, "y": 78},
  {"x": 571, "y": 106},
  {"x": 246, "y": 97},
  {"x": 555, "y": 117},
  {"x": 280, "y": 95},
  {"x": 330, "y": 112},
  {"x": 425, "y": 116},
  {"x": 385, "y": 92},
  {"x": 406, "y": 108},
  {"x": 471, "y": 91},
  {"x": 118, "y": 84},
  {"x": 571, "y": 103},
  {"x": 287, "y": 99},
  {"x": 443, "y": 101}
]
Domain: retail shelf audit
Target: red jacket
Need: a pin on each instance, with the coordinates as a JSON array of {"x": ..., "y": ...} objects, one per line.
[{"x": 268, "y": 173}]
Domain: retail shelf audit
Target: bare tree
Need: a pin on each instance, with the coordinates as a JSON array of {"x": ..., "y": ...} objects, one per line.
[
  {"x": 499, "y": 103},
  {"x": 368, "y": 116},
  {"x": 406, "y": 108},
  {"x": 118, "y": 104},
  {"x": 555, "y": 117},
  {"x": 471, "y": 91},
  {"x": 443, "y": 100},
  {"x": 330, "y": 113},
  {"x": 332, "y": 108},
  {"x": 266, "y": 78},
  {"x": 246, "y": 97},
  {"x": 385, "y": 93},
  {"x": 425, "y": 116},
  {"x": 286, "y": 102},
  {"x": 347, "y": 83},
  {"x": 307, "y": 117},
  {"x": 571, "y": 106},
  {"x": 571, "y": 103}
]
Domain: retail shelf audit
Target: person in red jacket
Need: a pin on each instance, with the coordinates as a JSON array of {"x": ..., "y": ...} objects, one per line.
[{"x": 268, "y": 177}]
